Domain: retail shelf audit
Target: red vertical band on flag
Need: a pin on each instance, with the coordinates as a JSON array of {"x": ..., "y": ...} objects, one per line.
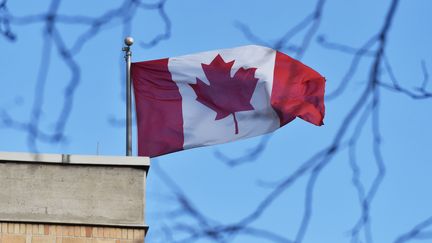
[
  {"x": 159, "y": 108},
  {"x": 298, "y": 91}
]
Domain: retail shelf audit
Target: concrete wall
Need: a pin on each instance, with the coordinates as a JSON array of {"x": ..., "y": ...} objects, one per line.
[{"x": 80, "y": 191}]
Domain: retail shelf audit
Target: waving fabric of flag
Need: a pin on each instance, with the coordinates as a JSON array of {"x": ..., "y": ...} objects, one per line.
[{"x": 220, "y": 96}]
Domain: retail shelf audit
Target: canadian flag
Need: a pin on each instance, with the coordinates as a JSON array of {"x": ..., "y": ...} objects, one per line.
[{"x": 220, "y": 96}]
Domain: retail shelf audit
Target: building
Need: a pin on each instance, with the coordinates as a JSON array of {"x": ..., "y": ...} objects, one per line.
[{"x": 56, "y": 198}]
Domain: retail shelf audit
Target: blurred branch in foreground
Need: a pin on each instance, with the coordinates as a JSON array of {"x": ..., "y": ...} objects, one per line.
[
  {"x": 367, "y": 108},
  {"x": 53, "y": 43}
]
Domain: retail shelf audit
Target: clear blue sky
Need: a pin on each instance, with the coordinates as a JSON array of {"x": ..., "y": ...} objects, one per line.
[{"x": 227, "y": 194}]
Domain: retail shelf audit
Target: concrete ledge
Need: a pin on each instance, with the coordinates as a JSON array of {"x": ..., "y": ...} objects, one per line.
[
  {"x": 72, "y": 189},
  {"x": 74, "y": 159}
]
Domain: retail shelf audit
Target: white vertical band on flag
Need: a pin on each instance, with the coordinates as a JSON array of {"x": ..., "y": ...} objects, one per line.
[{"x": 199, "y": 125}]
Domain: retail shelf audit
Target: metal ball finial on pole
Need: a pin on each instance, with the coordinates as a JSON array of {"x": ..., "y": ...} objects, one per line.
[{"x": 128, "y": 42}]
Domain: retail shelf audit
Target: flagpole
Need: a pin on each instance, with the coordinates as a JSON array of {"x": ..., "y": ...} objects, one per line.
[{"x": 128, "y": 42}]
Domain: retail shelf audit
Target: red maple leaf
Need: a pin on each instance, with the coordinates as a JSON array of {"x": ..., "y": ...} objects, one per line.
[{"x": 225, "y": 94}]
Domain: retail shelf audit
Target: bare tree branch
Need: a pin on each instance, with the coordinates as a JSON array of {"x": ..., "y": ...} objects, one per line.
[
  {"x": 53, "y": 41},
  {"x": 417, "y": 232}
]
